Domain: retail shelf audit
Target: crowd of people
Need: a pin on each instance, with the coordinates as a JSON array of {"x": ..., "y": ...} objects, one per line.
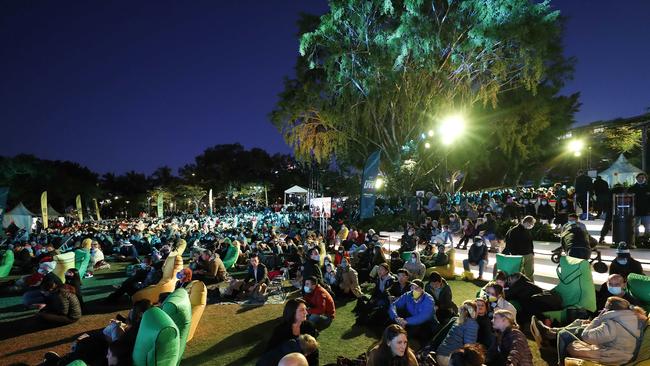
[{"x": 398, "y": 293}]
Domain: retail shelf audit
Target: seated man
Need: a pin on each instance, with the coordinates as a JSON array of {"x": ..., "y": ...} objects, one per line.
[
  {"x": 533, "y": 299},
  {"x": 147, "y": 274},
  {"x": 254, "y": 284},
  {"x": 401, "y": 286},
  {"x": 210, "y": 268},
  {"x": 375, "y": 309},
  {"x": 615, "y": 286},
  {"x": 321, "y": 305},
  {"x": 441, "y": 292},
  {"x": 477, "y": 255},
  {"x": 624, "y": 264},
  {"x": 415, "y": 311}
]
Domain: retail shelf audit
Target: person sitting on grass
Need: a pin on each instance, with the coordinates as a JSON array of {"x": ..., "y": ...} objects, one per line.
[
  {"x": 401, "y": 286},
  {"x": 441, "y": 292},
  {"x": 92, "y": 347},
  {"x": 375, "y": 309},
  {"x": 210, "y": 268},
  {"x": 415, "y": 312},
  {"x": 329, "y": 276},
  {"x": 293, "y": 324},
  {"x": 97, "y": 261},
  {"x": 392, "y": 349},
  {"x": 610, "y": 338},
  {"x": 464, "y": 331},
  {"x": 497, "y": 301},
  {"x": 304, "y": 344},
  {"x": 254, "y": 284},
  {"x": 145, "y": 275},
  {"x": 321, "y": 305},
  {"x": 347, "y": 281},
  {"x": 415, "y": 267},
  {"x": 477, "y": 255},
  {"x": 468, "y": 355},
  {"x": 511, "y": 346},
  {"x": 62, "y": 306}
]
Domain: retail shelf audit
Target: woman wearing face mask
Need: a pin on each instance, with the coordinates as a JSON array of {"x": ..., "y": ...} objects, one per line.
[
  {"x": 330, "y": 276},
  {"x": 511, "y": 346},
  {"x": 415, "y": 266},
  {"x": 485, "y": 335},
  {"x": 348, "y": 281},
  {"x": 393, "y": 349},
  {"x": 497, "y": 300},
  {"x": 464, "y": 331}
]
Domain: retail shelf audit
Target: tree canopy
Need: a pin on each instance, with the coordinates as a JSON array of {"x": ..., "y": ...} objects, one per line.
[{"x": 377, "y": 74}]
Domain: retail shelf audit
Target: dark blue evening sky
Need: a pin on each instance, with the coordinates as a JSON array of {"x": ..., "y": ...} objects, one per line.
[{"x": 122, "y": 85}]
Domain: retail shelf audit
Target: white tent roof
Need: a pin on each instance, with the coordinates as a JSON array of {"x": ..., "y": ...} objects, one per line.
[
  {"x": 296, "y": 190},
  {"x": 621, "y": 165},
  {"x": 20, "y": 210},
  {"x": 52, "y": 213},
  {"x": 620, "y": 171}
]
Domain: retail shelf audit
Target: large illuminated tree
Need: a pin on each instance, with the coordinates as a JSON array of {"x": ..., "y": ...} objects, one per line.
[{"x": 376, "y": 74}]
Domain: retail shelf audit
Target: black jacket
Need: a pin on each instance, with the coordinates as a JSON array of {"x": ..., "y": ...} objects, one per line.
[
  {"x": 519, "y": 241},
  {"x": 476, "y": 253},
  {"x": 632, "y": 266},
  {"x": 583, "y": 184},
  {"x": 601, "y": 188},
  {"x": 545, "y": 212},
  {"x": 262, "y": 274},
  {"x": 312, "y": 268},
  {"x": 641, "y": 198},
  {"x": 283, "y": 333}
]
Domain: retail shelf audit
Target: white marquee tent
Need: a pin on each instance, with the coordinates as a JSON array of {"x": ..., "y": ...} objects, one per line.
[
  {"x": 296, "y": 191},
  {"x": 621, "y": 172},
  {"x": 20, "y": 216}
]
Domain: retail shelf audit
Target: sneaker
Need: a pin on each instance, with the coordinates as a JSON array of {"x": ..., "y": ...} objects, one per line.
[
  {"x": 88, "y": 275},
  {"x": 535, "y": 332},
  {"x": 51, "y": 356},
  {"x": 541, "y": 332}
]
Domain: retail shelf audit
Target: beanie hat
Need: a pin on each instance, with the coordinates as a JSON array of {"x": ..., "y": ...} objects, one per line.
[{"x": 622, "y": 248}]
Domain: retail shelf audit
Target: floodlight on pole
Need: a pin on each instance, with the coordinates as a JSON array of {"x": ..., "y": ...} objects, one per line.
[
  {"x": 379, "y": 182},
  {"x": 430, "y": 133},
  {"x": 427, "y": 145},
  {"x": 451, "y": 128},
  {"x": 576, "y": 146}
]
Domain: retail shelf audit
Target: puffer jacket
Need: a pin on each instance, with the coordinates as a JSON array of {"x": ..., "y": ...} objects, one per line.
[
  {"x": 615, "y": 332},
  {"x": 459, "y": 335},
  {"x": 511, "y": 348},
  {"x": 348, "y": 280}
]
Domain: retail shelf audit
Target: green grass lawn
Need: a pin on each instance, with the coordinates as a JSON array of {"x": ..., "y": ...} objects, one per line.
[{"x": 227, "y": 334}]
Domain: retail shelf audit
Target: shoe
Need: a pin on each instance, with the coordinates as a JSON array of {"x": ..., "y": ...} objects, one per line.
[
  {"x": 535, "y": 332},
  {"x": 541, "y": 332},
  {"x": 50, "y": 357},
  {"x": 88, "y": 275}
]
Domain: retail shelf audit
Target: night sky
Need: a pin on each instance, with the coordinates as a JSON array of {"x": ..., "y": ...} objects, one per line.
[{"x": 133, "y": 85}]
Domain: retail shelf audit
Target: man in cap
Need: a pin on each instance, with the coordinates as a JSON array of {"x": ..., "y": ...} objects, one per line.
[{"x": 624, "y": 264}]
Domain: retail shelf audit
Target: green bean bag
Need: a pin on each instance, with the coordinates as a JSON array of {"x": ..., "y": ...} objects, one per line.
[
  {"x": 77, "y": 363},
  {"x": 406, "y": 256},
  {"x": 509, "y": 263},
  {"x": 639, "y": 286},
  {"x": 576, "y": 287},
  {"x": 178, "y": 307},
  {"x": 6, "y": 262},
  {"x": 232, "y": 254},
  {"x": 157, "y": 341},
  {"x": 81, "y": 260}
]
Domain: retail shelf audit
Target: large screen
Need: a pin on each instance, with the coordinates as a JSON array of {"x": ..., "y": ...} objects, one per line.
[{"x": 321, "y": 207}]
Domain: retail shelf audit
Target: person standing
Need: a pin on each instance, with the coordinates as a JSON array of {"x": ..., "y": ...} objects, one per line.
[
  {"x": 641, "y": 205},
  {"x": 584, "y": 187},
  {"x": 603, "y": 195},
  {"x": 519, "y": 241}
]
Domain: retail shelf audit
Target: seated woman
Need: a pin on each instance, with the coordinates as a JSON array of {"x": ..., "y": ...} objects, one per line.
[
  {"x": 610, "y": 338},
  {"x": 441, "y": 292},
  {"x": 485, "y": 335},
  {"x": 97, "y": 261},
  {"x": 73, "y": 280},
  {"x": 294, "y": 323},
  {"x": 303, "y": 344},
  {"x": 464, "y": 331},
  {"x": 415, "y": 266},
  {"x": 396, "y": 262},
  {"x": 497, "y": 301},
  {"x": 511, "y": 346},
  {"x": 62, "y": 306},
  {"x": 393, "y": 349},
  {"x": 468, "y": 355},
  {"x": 347, "y": 281}
]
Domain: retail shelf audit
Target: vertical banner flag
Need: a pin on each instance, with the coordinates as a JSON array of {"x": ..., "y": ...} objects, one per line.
[
  {"x": 44, "y": 209},
  {"x": 99, "y": 217},
  {"x": 80, "y": 211},
  {"x": 368, "y": 179},
  {"x": 4, "y": 192},
  {"x": 210, "y": 200},
  {"x": 159, "y": 205}
]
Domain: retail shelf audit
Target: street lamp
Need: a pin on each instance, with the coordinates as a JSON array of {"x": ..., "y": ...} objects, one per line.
[
  {"x": 451, "y": 128},
  {"x": 427, "y": 145},
  {"x": 379, "y": 182},
  {"x": 576, "y": 146}
]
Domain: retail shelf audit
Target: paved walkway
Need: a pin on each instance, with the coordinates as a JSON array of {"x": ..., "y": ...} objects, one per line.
[{"x": 545, "y": 269}]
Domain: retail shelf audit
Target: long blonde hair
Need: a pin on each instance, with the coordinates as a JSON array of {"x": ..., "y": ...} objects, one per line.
[
  {"x": 619, "y": 303},
  {"x": 467, "y": 310},
  {"x": 507, "y": 314}
]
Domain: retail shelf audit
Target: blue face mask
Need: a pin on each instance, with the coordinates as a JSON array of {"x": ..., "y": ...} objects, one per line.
[
  {"x": 179, "y": 275},
  {"x": 571, "y": 222},
  {"x": 615, "y": 290},
  {"x": 307, "y": 289}
]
